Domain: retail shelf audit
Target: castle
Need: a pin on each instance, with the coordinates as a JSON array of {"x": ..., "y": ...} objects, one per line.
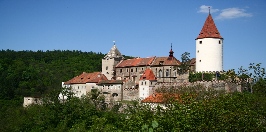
[{"x": 129, "y": 79}]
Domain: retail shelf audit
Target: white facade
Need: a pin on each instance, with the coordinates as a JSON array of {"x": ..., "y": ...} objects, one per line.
[
  {"x": 209, "y": 54},
  {"x": 146, "y": 88},
  {"x": 79, "y": 90}
]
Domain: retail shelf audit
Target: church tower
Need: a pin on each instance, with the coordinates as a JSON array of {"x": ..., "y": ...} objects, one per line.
[
  {"x": 209, "y": 48},
  {"x": 111, "y": 59}
]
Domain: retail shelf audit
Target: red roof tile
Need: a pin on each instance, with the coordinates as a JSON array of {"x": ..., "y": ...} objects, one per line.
[
  {"x": 166, "y": 61},
  {"x": 135, "y": 62},
  {"x": 94, "y": 77},
  {"x": 209, "y": 29},
  {"x": 160, "y": 98},
  {"x": 193, "y": 61},
  {"x": 148, "y": 75}
]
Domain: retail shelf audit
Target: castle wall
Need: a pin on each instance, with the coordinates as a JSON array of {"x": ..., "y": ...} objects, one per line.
[
  {"x": 112, "y": 92},
  {"x": 130, "y": 91}
]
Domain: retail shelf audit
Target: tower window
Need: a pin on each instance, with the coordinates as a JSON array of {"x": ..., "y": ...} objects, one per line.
[
  {"x": 199, "y": 60},
  {"x": 198, "y": 51},
  {"x": 219, "y": 41},
  {"x": 106, "y": 68},
  {"x": 200, "y": 42}
]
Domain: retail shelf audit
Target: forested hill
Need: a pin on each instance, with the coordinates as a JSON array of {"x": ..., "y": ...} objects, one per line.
[{"x": 30, "y": 73}]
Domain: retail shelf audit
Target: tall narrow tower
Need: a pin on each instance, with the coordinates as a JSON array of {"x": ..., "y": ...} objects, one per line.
[
  {"x": 111, "y": 59},
  {"x": 209, "y": 48}
]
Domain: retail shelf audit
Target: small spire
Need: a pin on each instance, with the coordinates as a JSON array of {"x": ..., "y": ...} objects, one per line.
[
  {"x": 171, "y": 46},
  {"x": 171, "y": 53},
  {"x": 209, "y": 10}
]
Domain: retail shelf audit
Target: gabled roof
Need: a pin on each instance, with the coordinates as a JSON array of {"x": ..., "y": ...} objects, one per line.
[
  {"x": 83, "y": 78},
  {"x": 209, "y": 29},
  {"x": 113, "y": 53},
  {"x": 166, "y": 61},
  {"x": 148, "y": 75},
  {"x": 135, "y": 62},
  {"x": 161, "y": 98}
]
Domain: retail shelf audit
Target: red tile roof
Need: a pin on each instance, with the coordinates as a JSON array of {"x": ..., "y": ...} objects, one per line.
[
  {"x": 161, "y": 98},
  {"x": 209, "y": 29},
  {"x": 135, "y": 62},
  {"x": 167, "y": 61},
  {"x": 193, "y": 61},
  {"x": 148, "y": 75},
  {"x": 94, "y": 77}
]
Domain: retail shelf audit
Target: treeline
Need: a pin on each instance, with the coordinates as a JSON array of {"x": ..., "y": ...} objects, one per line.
[
  {"x": 195, "y": 111},
  {"x": 30, "y": 73}
]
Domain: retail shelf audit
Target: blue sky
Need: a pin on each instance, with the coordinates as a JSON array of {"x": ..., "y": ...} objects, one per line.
[{"x": 141, "y": 28}]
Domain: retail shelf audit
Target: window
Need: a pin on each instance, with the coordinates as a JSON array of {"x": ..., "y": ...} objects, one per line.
[
  {"x": 120, "y": 70},
  {"x": 167, "y": 72},
  {"x": 136, "y": 69},
  {"x": 145, "y": 82},
  {"x": 198, "y": 51},
  {"x": 160, "y": 73},
  {"x": 127, "y": 69},
  {"x": 141, "y": 83},
  {"x": 199, "y": 60},
  {"x": 219, "y": 41},
  {"x": 106, "y": 67},
  {"x": 131, "y": 70},
  {"x": 200, "y": 42}
]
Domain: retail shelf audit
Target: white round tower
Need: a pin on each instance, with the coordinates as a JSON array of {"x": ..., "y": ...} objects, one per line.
[{"x": 209, "y": 48}]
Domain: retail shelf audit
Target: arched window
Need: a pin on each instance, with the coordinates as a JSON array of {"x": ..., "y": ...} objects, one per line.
[{"x": 160, "y": 73}]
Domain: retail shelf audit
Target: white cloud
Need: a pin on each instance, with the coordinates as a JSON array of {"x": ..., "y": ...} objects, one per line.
[
  {"x": 231, "y": 13},
  {"x": 205, "y": 9}
]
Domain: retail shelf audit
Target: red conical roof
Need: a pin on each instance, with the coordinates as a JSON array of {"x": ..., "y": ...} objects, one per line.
[{"x": 209, "y": 29}]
